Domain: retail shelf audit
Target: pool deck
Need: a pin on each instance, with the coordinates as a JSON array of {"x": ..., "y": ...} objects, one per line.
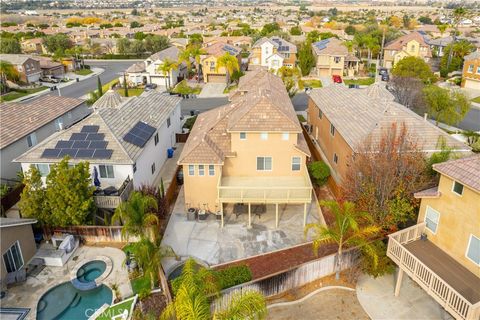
[{"x": 27, "y": 294}]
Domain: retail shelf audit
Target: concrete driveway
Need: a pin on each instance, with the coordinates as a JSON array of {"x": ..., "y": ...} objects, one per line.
[
  {"x": 212, "y": 90},
  {"x": 377, "y": 298},
  {"x": 326, "y": 81}
]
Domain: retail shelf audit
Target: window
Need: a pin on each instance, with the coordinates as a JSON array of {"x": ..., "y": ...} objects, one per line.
[
  {"x": 264, "y": 135},
  {"x": 31, "y": 140},
  {"x": 412, "y": 48},
  {"x": 473, "y": 249},
  {"x": 153, "y": 168},
  {"x": 59, "y": 123},
  {"x": 13, "y": 258},
  {"x": 201, "y": 170},
  {"x": 296, "y": 163},
  {"x": 211, "y": 170},
  {"x": 106, "y": 171},
  {"x": 320, "y": 114},
  {"x": 169, "y": 122},
  {"x": 243, "y": 136},
  {"x": 332, "y": 130},
  {"x": 335, "y": 158},
  {"x": 285, "y": 136},
  {"x": 457, "y": 188},
  {"x": 191, "y": 170},
  {"x": 43, "y": 168},
  {"x": 264, "y": 163},
  {"x": 275, "y": 63},
  {"x": 156, "y": 138},
  {"x": 337, "y": 59},
  {"x": 431, "y": 219},
  {"x": 470, "y": 68},
  {"x": 478, "y": 70},
  {"x": 134, "y": 167}
]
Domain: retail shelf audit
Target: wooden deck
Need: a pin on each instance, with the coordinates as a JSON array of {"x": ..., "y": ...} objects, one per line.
[{"x": 447, "y": 268}]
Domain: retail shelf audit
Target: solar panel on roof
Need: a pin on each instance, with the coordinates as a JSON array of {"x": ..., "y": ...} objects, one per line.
[
  {"x": 50, "y": 153},
  {"x": 95, "y": 136},
  {"x": 102, "y": 154},
  {"x": 80, "y": 144},
  {"x": 90, "y": 129},
  {"x": 85, "y": 153},
  {"x": 64, "y": 144},
  {"x": 98, "y": 144},
  {"x": 68, "y": 152},
  {"x": 78, "y": 136},
  {"x": 139, "y": 134}
]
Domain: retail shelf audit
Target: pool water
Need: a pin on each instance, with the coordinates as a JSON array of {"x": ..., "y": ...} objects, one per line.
[
  {"x": 91, "y": 271},
  {"x": 66, "y": 302}
]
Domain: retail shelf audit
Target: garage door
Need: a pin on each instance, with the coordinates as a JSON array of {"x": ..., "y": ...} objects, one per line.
[
  {"x": 323, "y": 72},
  {"x": 472, "y": 84},
  {"x": 215, "y": 78},
  {"x": 337, "y": 72}
]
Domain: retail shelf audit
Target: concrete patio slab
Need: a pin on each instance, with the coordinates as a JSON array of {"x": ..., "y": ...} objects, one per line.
[
  {"x": 377, "y": 298},
  {"x": 212, "y": 90}
]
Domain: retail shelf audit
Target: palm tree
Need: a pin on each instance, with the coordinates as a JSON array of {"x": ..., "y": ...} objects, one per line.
[
  {"x": 191, "y": 302},
  {"x": 345, "y": 231},
  {"x": 229, "y": 62},
  {"x": 184, "y": 56},
  {"x": 7, "y": 72},
  {"x": 136, "y": 216},
  {"x": 196, "y": 52},
  {"x": 166, "y": 68}
]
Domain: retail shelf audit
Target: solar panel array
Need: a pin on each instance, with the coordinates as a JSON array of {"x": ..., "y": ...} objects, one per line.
[
  {"x": 284, "y": 48},
  {"x": 321, "y": 44},
  {"x": 86, "y": 144},
  {"x": 139, "y": 134},
  {"x": 230, "y": 50}
]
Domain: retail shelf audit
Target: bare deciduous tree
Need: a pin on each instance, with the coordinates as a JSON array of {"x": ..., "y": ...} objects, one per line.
[{"x": 407, "y": 91}]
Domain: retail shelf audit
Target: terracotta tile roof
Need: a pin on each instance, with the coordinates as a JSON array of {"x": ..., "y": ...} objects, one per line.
[
  {"x": 330, "y": 46},
  {"x": 403, "y": 40},
  {"x": 465, "y": 170},
  {"x": 428, "y": 193},
  {"x": 20, "y": 119},
  {"x": 219, "y": 48}
]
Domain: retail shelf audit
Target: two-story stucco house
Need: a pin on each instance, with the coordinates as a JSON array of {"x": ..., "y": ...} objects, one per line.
[
  {"x": 442, "y": 251},
  {"x": 333, "y": 58},
  {"x": 471, "y": 71},
  {"x": 211, "y": 72},
  {"x": 24, "y": 125},
  {"x": 409, "y": 45},
  {"x": 28, "y": 68},
  {"x": 124, "y": 140},
  {"x": 250, "y": 151},
  {"x": 273, "y": 53},
  {"x": 147, "y": 71}
]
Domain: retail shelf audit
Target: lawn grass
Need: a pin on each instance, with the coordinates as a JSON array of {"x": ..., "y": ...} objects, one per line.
[
  {"x": 132, "y": 92},
  {"x": 83, "y": 72},
  {"x": 230, "y": 88},
  {"x": 17, "y": 94},
  {"x": 140, "y": 284},
  {"x": 477, "y": 99},
  {"x": 312, "y": 83},
  {"x": 361, "y": 82},
  {"x": 109, "y": 85},
  {"x": 116, "y": 309}
]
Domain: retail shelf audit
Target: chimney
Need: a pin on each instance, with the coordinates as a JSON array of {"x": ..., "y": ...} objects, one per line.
[{"x": 425, "y": 116}]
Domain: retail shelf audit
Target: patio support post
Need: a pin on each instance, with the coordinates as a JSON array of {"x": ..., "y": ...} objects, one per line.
[
  {"x": 249, "y": 215},
  {"x": 221, "y": 212},
  {"x": 398, "y": 284},
  {"x": 304, "y": 214},
  {"x": 276, "y": 215}
]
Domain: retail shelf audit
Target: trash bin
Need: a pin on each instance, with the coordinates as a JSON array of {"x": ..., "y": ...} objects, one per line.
[
  {"x": 191, "y": 214},
  {"x": 78, "y": 80},
  {"x": 170, "y": 153},
  {"x": 192, "y": 112}
]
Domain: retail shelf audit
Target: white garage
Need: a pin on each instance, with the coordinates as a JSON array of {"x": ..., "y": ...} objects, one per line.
[{"x": 472, "y": 84}]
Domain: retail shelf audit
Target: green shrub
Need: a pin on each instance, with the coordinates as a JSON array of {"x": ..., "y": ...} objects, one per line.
[
  {"x": 190, "y": 122},
  {"x": 319, "y": 172},
  {"x": 301, "y": 118},
  {"x": 233, "y": 276}
]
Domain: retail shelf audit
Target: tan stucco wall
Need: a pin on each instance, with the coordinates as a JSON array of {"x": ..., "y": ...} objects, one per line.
[
  {"x": 201, "y": 191},
  {"x": 327, "y": 61},
  {"x": 24, "y": 235},
  {"x": 473, "y": 74},
  {"x": 459, "y": 217}
]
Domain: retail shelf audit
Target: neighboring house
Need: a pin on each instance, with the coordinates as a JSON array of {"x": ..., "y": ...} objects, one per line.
[
  {"x": 147, "y": 71},
  {"x": 34, "y": 45},
  {"x": 471, "y": 71},
  {"x": 438, "y": 45},
  {"x": 236, "y": 41},
  {"x": 51, "y": 68},
  {"x": 333, "y": 58},
  {"x": 250, "y": 151},
  {"x": 124, "y": 140},
  {"x": 341, "y": 119},
  {"x": 273, "y": 53},
  {"x": 412, "y": 44},
  {"x": 24, "y": 125},
  {"x": 17, "y": 246},
  {"x": 209, "y": 61},
  {"x": 442, "y": 251},
  {"x": 28, "y": 68}
]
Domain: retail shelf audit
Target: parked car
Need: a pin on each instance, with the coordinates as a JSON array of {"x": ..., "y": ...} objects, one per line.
[
  {"x": 382, "y": 71},
  {"x": 150, "y": 86},
  {"x": 337, "y": 79},
  {"x": 49, "y": 79},
  {"x": 385, "y": 77}
]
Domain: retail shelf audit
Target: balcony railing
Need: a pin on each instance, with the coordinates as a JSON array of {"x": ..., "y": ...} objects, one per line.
[
  {"x": 441, "y": 291},
  {"x": 112, "y": 202}
]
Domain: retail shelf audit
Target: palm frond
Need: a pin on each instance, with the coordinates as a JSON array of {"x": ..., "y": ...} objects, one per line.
[{"x": 246, "y": 305}]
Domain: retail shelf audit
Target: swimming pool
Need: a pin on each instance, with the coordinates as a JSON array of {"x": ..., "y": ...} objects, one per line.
[
  {"x": 66, "y": 302},
  {"x": 91, "y": 271}
]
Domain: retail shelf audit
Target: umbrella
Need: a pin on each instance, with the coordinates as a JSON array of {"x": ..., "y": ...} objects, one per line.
[{"x": 96, "y": 182}]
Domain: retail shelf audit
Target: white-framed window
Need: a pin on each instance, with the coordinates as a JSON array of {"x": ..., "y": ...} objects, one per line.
[
  {"x": 478, "y": 70},
  {"x": 264, "y": 163},
  {"x": 201, "y": 170},
  {"x": 296, "y": 163},
  {"x": 13, "y": 258},
  {"x": 337, "y": 59},
  {"x": 169, "y": 122},
  {"x": 59, "y": 123},
  {"x": 335, "y": 158},
  {"x": 156, "y": 138},
  {"x": 457, "y": 188},
  {"x": 153, "y": 168},
  {"x": 31, "y": 139},
  {"x": 264, "y": 135},
  {"x": 473, "y": 249},
  {"x": 191, "y": 170},
  {"x": 412, "y": 48},
  {"x": 211, "y": 170},
  {"x": 43, "y": 168},
  {"x": 332, "y": 130},
  {"x": 470, "y": 68},
  {"x": 285, "y": 136},
  {"x": 432, "y": 218},
  {"x": 243, "y": 136},
  {"x": 106, "y": 171}
]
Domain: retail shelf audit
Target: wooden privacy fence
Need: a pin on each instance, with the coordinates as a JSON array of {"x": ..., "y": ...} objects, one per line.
[
  {"x": 95, "y": 233},
  {"x": 291, "y": 279}
]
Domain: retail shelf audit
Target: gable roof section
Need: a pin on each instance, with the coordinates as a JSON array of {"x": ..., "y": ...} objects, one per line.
[
  {"x": 398, "y": 44},
  {"x": 330, "y": 46},
  {"x": 219, "y": 48},
  {"x": 170, "y": 53},
  {"x": 465, "y": 171},
  {"x": 18, "y": 120},
  {"x": 110, "y": 99}
]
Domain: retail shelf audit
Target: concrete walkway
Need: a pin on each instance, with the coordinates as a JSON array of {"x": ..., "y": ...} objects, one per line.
[
  {"x": 213, "y": 90},
  {"x": 377, "y": 298},
  {"x": 167, "y": 172}
]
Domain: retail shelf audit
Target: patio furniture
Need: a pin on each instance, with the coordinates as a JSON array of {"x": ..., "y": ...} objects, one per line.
[
  {"x": 259, "y": 209},
  {"x": 11, "y": 278},
  {"x": 21, "y": 275},
  {"x": 239, "y": 209},
  {"x": 202, "y": 215}
]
